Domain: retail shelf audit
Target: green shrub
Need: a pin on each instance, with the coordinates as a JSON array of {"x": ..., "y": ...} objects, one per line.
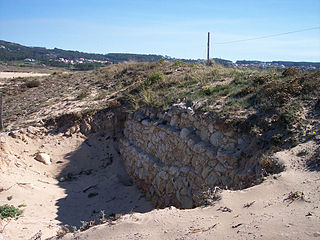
[
  {"x": 259, "y": 80},
  {"x": 154, "y": 77},
  {"x": 33, "y": 83},
  {"x": 289, "y": 114},
  {"x": 9, "y": 211},
  {"x": 207, "y": 90},
  {"x": 276, "y": 139},
  {"x": 291, "y": 71},
  {"x": 244, "y": 92},
  {"x": 178, "y": 63},
  {"x": 219, "y": 90}
]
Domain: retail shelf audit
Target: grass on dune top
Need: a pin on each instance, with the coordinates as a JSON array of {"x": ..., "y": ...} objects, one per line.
[{"x": 225, "y": 91}]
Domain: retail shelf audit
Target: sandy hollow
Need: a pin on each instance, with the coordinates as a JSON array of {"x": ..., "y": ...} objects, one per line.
[{"x": 86, "y": 178}]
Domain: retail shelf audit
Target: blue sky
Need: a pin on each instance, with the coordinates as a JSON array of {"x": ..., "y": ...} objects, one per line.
[{"x": 167, "y": 27}]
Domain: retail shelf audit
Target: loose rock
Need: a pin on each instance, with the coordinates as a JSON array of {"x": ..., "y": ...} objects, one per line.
[{"x": 44, "y": 158}]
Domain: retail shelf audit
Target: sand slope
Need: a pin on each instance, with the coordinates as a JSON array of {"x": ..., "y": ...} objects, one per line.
[
  {"x": 270, "y": 216},
  {"x": 93, "y": 179},
  {"x": 91, "y": 165}
]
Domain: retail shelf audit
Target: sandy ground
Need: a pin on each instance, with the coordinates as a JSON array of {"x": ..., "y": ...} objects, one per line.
[
  {"x": 91, "y": 167},
  {"x": 4, "y": 76},
  {"x": 259, "y": 212},
  {"x": 20, "y": 74},
  {"x": 269, "y": 216},
  {"x": 93, "y": 180}
]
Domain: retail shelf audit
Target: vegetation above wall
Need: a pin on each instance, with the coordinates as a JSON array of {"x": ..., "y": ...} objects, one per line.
[{"x": 260, "y": 100}]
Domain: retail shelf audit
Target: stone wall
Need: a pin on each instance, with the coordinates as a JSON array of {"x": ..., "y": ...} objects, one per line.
[{"x": 175, "y": 155}]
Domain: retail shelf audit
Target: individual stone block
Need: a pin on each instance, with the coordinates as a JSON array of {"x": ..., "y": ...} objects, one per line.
[
  {"x": 206, "y": 172},
  {"x": 204, "y": 134},
  {"x": 220, "y": 168},
  {"x": 174, "y": 121},
  {"x": 212, "y": 180},
  {"x": 199, "y": 147},
  {"x": 216, "y": 138},
  {"x": 184, "y": 133}
]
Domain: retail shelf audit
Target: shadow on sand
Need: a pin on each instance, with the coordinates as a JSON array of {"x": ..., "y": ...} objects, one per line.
[{"x": 95, "y": 180}]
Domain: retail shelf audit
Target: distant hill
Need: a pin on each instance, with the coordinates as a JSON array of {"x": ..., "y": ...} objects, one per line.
[
  {"x": 75, "y": 60},
  {"x": 14, "y": 52}
]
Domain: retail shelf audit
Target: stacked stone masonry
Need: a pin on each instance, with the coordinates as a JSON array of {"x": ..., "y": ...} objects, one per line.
[{"x": 175, "y": 155}]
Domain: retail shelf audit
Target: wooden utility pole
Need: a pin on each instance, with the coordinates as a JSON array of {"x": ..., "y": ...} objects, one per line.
[
  {"x": 1, "y": 123},
  {"x": 208, "y": 48}
]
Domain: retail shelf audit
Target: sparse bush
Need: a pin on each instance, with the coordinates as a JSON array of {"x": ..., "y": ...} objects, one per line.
[
  {"x": 178, "y": 64},
  {"x": 207, "y": 90},
  {"x": 270, "y": 165},
  {"x": 9, "y": 211},
  {"x": 32, "y": 83},
  {"x": 256, "y": 130},
  {"x": 289, "y": 114},
  {"x": 207, "y": 197},
  {"x": 294, "y": 141},
  {"x": 244, "y": 92},
  {"x": 291, "y": 71},
  {"x": 153, "y": 78},
  {"x": 259, "y": 80},
  {"x": 276, "y": 139},
  {"x": 219, "y": 90},
  {"x": 294, "y": 196}
]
